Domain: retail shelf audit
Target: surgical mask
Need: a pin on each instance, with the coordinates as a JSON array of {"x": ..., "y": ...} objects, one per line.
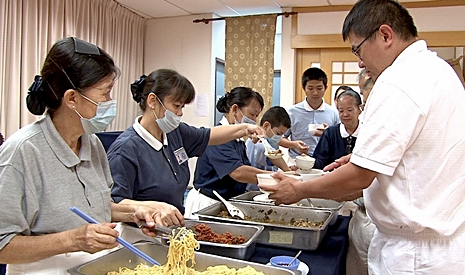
[
  {"x": 105, "y": 114},
  {"x": 274, "y": 140},
  {"x": 169, "y": 122},
  {"x": 246, "y": 120}
]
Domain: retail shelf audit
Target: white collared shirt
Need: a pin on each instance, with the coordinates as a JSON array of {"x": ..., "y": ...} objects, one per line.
[{"x": 148, "y": 137}]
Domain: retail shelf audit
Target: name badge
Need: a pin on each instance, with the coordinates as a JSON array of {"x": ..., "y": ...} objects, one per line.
[{"x": 181, "y": 155}]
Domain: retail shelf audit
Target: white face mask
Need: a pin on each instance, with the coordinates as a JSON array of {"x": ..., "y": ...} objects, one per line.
[
  {"x": 105, "y": 114},
  {"x": 169, "y": 122}
]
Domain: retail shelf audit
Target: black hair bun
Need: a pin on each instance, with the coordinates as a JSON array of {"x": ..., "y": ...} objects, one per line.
[
  {"x": 137, "y": 88},
  {"x": 34, "y": 100}
]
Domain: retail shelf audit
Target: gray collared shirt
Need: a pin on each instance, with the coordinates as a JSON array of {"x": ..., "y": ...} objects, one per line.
[{"x": 41, "y": 178}]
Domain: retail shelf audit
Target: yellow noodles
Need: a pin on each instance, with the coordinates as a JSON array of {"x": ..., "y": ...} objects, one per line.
[{"x": 180, "y": 251}]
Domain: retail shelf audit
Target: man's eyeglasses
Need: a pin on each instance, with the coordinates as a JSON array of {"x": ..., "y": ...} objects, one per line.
[{"x": 356, "y": 48}]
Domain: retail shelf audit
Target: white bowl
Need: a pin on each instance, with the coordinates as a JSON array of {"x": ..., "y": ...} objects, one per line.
[
  {"x": 313, "y": 128},
  {"x": 304, "y": 162},
  {"x": 268, "y": 179},
  {"x": 312, "y": 174},
  {"x": 274, "y": 155},
  {"x": 263, "y": 198}
]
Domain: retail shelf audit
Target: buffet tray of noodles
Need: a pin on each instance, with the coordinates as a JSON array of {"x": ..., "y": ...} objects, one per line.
[
  {"x": 317, "y": 204},
  {"x": 224, "y": 239},
  {"x": 123, "y": 262},
  {"x": 288, "y": 227}
]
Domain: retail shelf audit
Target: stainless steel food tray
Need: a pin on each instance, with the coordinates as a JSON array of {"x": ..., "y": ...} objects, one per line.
[
  {"x": 318, "y": 204},
  {"x": 277, "y": 234},
  {"x": 123, "y": 257},
  {"x": 238, "y": 251}
]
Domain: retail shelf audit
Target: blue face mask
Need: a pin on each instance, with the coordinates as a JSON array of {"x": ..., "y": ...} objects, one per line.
[
  {"x": 105, "y": 114},
  {"x": 246, "y": 120},
  {"x": 169, "y": 122},
  {"x": 274, "y": 140}
]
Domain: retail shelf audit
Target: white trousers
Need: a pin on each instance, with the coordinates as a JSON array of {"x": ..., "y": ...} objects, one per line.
[
  {"x": 418, "y": 254},
  {"x": 361, "y": 231}
]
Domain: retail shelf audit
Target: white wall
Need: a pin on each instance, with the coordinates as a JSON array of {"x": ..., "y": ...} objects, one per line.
[{"x": 179, "y": 44}]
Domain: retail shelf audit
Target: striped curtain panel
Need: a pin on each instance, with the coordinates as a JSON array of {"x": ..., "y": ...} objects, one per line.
[{"x": 250, "y": 54}]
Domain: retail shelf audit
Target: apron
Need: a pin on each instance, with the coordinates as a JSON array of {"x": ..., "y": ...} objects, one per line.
[
  {"x": 55, "y": 265},
  {"x": 196, "y": 201}
]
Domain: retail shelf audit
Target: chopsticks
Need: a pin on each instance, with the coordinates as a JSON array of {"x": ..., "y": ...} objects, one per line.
[{"x": 123, "y": 242}]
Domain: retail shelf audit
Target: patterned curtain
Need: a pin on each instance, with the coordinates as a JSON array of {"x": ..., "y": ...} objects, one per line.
[{"x": 250, "y": 54}]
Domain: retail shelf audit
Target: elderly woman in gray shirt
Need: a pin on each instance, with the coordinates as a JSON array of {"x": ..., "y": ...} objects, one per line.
[{"x": 56, "y": 163}]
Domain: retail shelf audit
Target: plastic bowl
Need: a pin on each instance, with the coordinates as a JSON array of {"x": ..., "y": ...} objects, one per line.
[
  {"x": 312, "y": 174},
  {"x": 267, "y": 179},
  {"x": 283, "y": 261},
  {"x": 313, "y": 128},
  {"x": 304, "y": 162}
]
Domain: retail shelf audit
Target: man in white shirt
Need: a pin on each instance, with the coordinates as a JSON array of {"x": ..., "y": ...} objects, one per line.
[{"x": 409, "y": 157}]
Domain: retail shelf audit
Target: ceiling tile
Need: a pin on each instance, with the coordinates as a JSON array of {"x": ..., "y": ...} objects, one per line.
[
  {"x": 301, "y": 3},
  {"x": 153, "y": 8}
]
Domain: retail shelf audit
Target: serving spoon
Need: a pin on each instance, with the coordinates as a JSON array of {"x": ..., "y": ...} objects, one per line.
[{"x": 233, "y": 211}]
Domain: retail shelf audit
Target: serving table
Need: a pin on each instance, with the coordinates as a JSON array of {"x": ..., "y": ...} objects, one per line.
[{"x": 328, "y": 259}]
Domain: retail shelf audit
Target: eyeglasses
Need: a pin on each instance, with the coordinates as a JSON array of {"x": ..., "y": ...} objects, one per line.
[
  {"x": 349, "y": 145},
  {"x": 355, "y": 50}
]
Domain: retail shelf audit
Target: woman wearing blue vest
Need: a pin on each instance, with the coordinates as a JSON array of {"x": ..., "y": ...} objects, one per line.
[
  {"x": 226, "y": 168},
  {"x": 339, "y": 140},
  {"x": 149, "y": 161}
]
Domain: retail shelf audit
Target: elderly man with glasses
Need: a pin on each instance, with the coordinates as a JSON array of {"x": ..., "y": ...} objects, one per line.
[{"x": 409, "y": 157}]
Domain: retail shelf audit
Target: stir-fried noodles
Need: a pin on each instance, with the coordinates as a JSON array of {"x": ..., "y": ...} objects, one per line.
[{"x": 180, "y": 251}]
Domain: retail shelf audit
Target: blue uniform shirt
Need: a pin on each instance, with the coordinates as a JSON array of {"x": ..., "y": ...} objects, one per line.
[
  {"x": 145, "y": 171},
  {"x": 301, "y": 115},
  {"x": 334, "y": 143},
  {"x": 213, "y": 168}
]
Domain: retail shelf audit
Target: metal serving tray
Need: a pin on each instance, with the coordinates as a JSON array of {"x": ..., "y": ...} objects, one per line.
[
  {"x": 318, "y": 204},
  {"x": 123, "y": 257},
  {"x": 239, "y": 251},
  {"x": 277, "y": 234}
]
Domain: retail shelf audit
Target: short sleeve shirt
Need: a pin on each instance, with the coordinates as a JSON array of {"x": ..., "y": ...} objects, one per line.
[
  {"x": 413, "y": 137},
  {"x": 41, "y": 178},
  {"x": 213, "y": 168},
  {"x": 301, "y": 115},
  {"x": 145, "y": 170}
]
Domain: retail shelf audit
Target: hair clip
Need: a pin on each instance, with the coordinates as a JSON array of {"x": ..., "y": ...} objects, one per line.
[
  {"x": 137, "y": 87},
  {"x": 36, "y": 85},
  {"x": 84, "y": 47}
]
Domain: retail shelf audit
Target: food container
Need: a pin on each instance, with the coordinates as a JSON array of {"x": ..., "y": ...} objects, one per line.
[
  {"x": 239, "y": 251},
  {"x": 123, "y": 257},
  {"x": 274, "y": 234},
  {"x": 318, "y": 204}
]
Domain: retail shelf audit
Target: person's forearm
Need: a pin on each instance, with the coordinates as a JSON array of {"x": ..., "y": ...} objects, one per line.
[
  {"x": 246, "y": 174},
  {"x": 123, "y": 212},
  {"x": 285, "y": 142},
  {"x": 225, "y": 133},
  {"x": 347, "y": 179},
  {"x": 27, "y": 249},
  {"x": 281, "y": 164}
]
